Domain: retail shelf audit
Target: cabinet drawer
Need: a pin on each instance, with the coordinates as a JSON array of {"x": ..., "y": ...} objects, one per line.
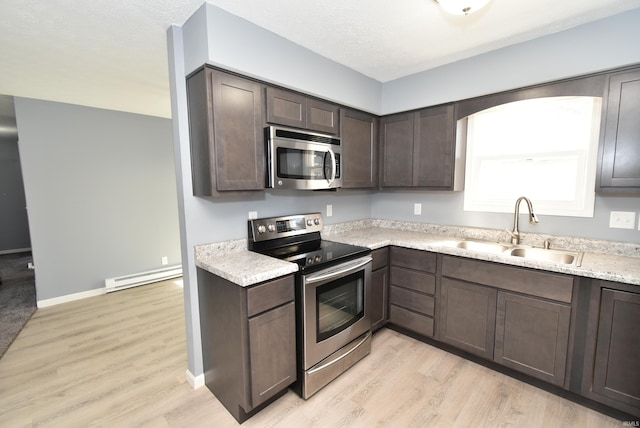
[
  {"x": 380, "y": 258},
  {"x": 521, "y": 280},
  {"x": 418, "y": 281},
  {"x": 411, "y": 321},
  {"x": 413, "y": 259},
  {"x": 411, "y": 300},
  {"x": 269, "y": 295}
]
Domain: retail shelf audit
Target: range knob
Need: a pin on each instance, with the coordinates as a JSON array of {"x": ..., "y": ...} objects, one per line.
[
  {"x": 316, "y": 221},
  {"x": 271, "y": 227},
  {"x": 309, "y": 222},
  {"x": 262, "y": 228}
]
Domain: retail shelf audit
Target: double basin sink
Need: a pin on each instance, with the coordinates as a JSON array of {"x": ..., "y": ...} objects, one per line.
[{"x": 565, "y": 257}]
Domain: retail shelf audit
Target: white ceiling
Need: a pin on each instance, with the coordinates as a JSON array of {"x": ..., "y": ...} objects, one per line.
[{"x": 112, "y": 54}]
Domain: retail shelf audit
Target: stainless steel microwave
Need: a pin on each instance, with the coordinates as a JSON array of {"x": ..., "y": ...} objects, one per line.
[{"x": 305, "y": 160}]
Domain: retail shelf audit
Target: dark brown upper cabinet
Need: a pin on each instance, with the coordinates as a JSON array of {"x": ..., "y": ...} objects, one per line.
[
  {"x": 619, "y": 162},
  {"x": 359, "y": 149},
  {"x": 226, "y": 126},
  {"x": 299, "y": 111},
  {"x": 418, "y": 148}
]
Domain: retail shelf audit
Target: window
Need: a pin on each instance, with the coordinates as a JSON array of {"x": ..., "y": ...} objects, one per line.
[{"x": 543, "y": 148}]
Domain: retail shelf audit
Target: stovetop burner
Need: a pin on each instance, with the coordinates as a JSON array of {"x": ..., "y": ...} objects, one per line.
[{"x": 297, "y": 239}]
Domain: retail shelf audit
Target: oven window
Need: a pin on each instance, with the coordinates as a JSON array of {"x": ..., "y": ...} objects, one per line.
[
  {"x": 340, "y": 304},
  {"x": 301, "y": 164}
]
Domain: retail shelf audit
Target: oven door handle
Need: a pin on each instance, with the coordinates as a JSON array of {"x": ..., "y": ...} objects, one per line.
[
  {"x": 345, "y": 269},
  {"x": 330, "y": 363}
]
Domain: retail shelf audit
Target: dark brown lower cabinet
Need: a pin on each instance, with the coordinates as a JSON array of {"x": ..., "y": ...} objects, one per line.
[
  {"x": 248, "y": 340},
  {"x": 532, "y": 336},
  {"x": 468, "y": 317},
  {"x": 271, "y": 337},
  {"x": 412, "y": 290},
  {"x": 517, "y": 317},
  {"x": 379, "y": 288},
  {"x": 612, "y": 375}
]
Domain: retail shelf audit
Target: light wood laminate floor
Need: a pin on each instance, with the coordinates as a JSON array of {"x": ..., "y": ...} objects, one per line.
[{"x": 119, "y": 360}]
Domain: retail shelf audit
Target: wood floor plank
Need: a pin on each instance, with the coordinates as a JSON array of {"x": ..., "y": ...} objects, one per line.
[{"x": 119, "y": 360}]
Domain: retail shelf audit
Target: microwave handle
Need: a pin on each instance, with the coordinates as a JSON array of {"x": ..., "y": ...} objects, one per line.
[{"x": 333, "y": 167}]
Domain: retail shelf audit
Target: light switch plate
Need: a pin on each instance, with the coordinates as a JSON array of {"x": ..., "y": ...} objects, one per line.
[
  {"x": 253, "y": 215},
  {"x": 622, "y": 220},
  {"x": 417, "y": 209},
  {"x": 329, "y": 210}
]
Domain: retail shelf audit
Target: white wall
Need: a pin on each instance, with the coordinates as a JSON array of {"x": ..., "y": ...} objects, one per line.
[{"x": 101, "y": 194}]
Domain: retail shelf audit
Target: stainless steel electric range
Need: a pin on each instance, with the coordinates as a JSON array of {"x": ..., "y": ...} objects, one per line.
[{"x": 332, "y": 295}]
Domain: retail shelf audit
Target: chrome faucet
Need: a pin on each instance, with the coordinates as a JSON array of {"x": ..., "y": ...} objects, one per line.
[{"x": 515, "y": 233}]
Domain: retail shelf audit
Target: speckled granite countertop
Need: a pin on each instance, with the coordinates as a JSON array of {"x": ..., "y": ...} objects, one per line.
[{"x": 612, "y": 261}]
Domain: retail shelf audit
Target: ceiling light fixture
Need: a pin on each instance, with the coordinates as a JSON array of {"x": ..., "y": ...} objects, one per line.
[{"x": 461, "y": 7}]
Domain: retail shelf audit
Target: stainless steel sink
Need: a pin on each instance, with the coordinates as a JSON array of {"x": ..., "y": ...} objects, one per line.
[
  {"x": 557, "y": 256},
  {"x": 483, "y": 246},
  {"x": 544, "y": 255}
]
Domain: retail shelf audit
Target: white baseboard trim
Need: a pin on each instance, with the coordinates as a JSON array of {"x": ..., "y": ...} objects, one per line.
[
  {"x": 195, "y": 381},
  {"x": 70, "y": 297}
]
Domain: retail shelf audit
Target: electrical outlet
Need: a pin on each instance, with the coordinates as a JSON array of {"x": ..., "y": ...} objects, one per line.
[
  {"x": 165, "y": 260},
  {"x": 253, "y": 215},
  {"x": 329, "y": 210},
  {"x": 622, "y": 219},
  {"x": 417, "y": 209}
]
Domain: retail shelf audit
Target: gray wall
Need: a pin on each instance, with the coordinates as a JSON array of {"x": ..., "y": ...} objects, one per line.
[
  {"x": 217, "y": 37},
  {"x": 446, "y": 208},
  {"x": 14, "y": 227},
  {"x": 100, "y": 188},
  {"x": 592, "y": 47},
  {"x": 599, "y": 45}
]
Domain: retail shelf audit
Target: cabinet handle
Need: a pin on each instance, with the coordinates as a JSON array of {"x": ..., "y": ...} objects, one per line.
[{"x": 329, "y": 363}]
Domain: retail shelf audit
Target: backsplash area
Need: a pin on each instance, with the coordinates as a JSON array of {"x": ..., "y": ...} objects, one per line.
[{"x": 628, "y": 249}]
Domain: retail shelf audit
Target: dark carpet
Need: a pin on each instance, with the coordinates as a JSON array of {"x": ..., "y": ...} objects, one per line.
[{"x": 17, "y": 296}]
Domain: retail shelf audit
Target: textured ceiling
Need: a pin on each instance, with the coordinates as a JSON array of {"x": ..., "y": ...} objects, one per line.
[{"x": 112, "y": 54}]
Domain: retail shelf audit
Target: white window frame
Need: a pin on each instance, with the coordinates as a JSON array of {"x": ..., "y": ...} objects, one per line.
[{"x": 522, "y": 171}]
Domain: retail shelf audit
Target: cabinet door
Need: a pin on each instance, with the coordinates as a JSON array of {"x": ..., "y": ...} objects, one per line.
[
  {"x": 322, "y": 117},
  {"x": 359, "y": 149},
  {"x": 532, "y": 336},
  {"x": 620, "y": 161},
  {"x": 238, "y": 133},
  {"x": 272, "y": 350},
  {"x": 435, "y": 148},
  {"x": 397, "y": 150},
  {"x": 379, "y": 288},
  {"x": 467, "y": 317},
  {"x": 617, "y": 363},
  {"x": 286, "y": 108},
  {"x": 379, "y": 299}
]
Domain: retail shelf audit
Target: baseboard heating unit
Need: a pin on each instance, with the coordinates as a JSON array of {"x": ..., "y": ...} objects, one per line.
[{"x": 142, "y": 278}]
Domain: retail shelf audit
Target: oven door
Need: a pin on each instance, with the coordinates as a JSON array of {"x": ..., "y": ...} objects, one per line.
[
  {"x": 295, "y": 164},
  {"x": 335, "y": 308}
]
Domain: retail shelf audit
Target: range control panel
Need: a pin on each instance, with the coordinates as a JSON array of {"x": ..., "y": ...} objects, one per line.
[{"x": 263, "y": 229}]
